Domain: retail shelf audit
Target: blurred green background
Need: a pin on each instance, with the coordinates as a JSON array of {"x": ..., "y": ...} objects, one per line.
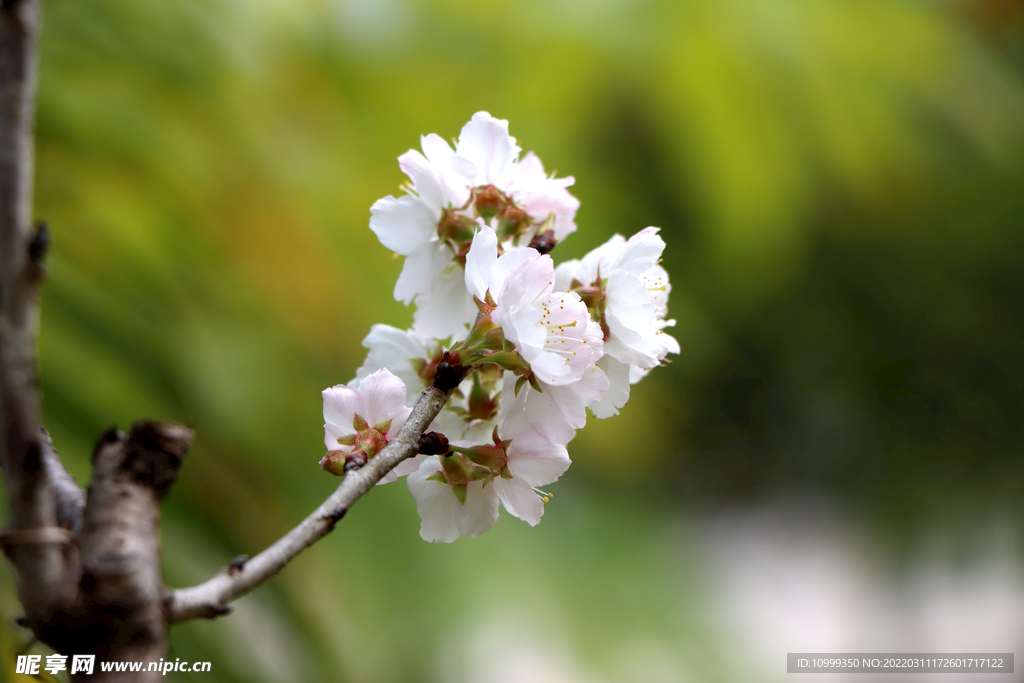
[{"x": 841, "y": 187}]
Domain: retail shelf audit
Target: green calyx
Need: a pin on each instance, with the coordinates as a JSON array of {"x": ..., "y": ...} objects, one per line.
[
  {"x": 369, "y": 440},
  {"x": 491, "y": 457},
  {"x": 458, "y": 472}
]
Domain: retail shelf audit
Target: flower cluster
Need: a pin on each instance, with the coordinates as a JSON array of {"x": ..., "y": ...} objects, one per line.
[{"x": 534, "y": 346}]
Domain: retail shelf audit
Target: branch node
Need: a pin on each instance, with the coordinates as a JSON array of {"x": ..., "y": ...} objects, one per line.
[
  {"x": 220, "y": 611},
  {"x": 45, "y": 535},
  {"x": 39, "y": 244},
  {"x": 238, "y": 564},
  {"x": 449, "y": 373},
  {"x": 354, "y": 461},
  {"x": 335, "y": 515}
]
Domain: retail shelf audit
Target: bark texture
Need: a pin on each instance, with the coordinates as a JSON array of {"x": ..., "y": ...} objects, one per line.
[{"x": 89, "y": 562}]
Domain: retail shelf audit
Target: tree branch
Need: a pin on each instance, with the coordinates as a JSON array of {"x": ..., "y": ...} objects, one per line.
[
  {"x": 68, "y": 496},
  {"x": 210, "y": 599},
  {"x": 38, "y": 548},
  {"x": 122, "y": 582}
]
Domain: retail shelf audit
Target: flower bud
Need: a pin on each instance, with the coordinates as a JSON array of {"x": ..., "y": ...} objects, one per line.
[
  {"x": 433, "y": 443},
  {"x": 544, "y": 241},
  {"x": 333, "y": 462},
  {"x": 449, "y": 373},
  {"x": 488, "y": 201}
]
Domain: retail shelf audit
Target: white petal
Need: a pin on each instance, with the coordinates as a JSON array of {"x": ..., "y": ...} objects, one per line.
[
  {"x": 641, "y": 253},
  {"x": 618, "y": 389},
  {"x": 422, "y": 267},
  {"x": 448, "y": 310},
  {"x": 566, "y": 272},
  {"x": 456, "y": 173},
  {"x": 435, "y": 502},
  {"x": 485, "y": 142},
  {"x": 636, "y": 374},
  {"x": 480, "y": 260},
  {"x": 535, "y": 460},
  {"x": 519, "y": 499},
  {"x": 394, "y": 349},
  {"x": 402, "y": 224},
  {"x": 480, "y": 511},
  {"x": 557, "y": 411},
  {"x": 631, "y": 320},
  {"x": 426, "y": 180}
]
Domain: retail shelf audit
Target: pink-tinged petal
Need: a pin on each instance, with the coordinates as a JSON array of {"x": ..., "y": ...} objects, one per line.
[
  {"x": 509, "y": 262},
  {"x": 404, "y": 224},
  {"x": 595, "y": 338},
  {"x": 553, "y": 200},
  {"x": 535, "y": 460},
  {"x": 641, "y": 253},
  {"x": 522, "y": 325},
  {"x": 341, "y": 404},
  {"x": 425, "y": 179},
  {"x": 421, "y": 269},
  {"x": 480, "y": 260},
  {"x": 398, "y": 421},
  {"x": 435, "y": 502},
  {"x": 384, "y": 394},
  {"x": 519, "y": 499},
  {"x": 485, "y": 142},
  {"x": 480, "y": 511},
  {"x": 618, "y": 389}
]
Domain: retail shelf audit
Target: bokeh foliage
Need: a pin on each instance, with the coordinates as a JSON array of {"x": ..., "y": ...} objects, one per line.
[{"x": 839, "y": 183}]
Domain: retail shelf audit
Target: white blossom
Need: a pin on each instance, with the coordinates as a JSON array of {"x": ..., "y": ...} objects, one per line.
[
  {"x": 460, "y": 494},
  {"x": 480, "y": 182},
  {"x": 552, "y": 331},
  {"x": 364, "y": 419},
  {"x": 628, "y": 293}
]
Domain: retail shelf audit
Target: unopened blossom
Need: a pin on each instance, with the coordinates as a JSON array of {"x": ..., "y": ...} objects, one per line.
[
  {"x": 360, "y": 421},
  {"x": 627, "y": 292},
  {"x": 552, "y": 331},
  {"x": 459, "y": 494},
  {"x": 454, "y": 192}
]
